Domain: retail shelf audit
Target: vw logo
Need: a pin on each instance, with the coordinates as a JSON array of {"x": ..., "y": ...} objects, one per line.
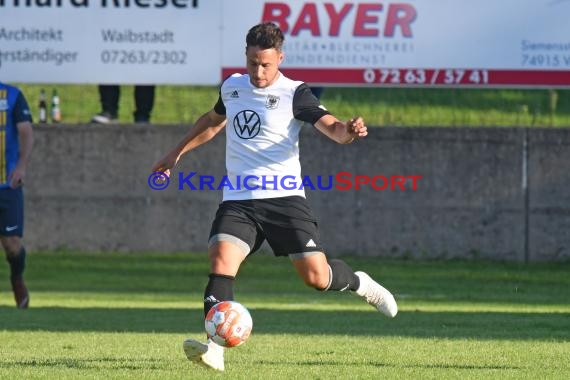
[{"x": 247, "y": 124}]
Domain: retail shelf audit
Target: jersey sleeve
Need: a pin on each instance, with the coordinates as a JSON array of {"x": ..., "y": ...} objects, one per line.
[
  {"x": 21, "y": 112},
  {"x": 220, "y": 107},
  {"x": 306, "y": 106}
]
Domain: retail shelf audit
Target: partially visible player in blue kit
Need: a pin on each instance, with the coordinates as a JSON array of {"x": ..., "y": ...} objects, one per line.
[{"x": 16, "y": 141}]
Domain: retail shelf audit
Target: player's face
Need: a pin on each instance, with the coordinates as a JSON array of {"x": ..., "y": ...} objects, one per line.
[{"x": 263, "y": 65}]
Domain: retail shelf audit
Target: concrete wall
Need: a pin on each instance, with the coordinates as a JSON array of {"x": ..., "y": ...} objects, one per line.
[{"x": 484, "y": 193}]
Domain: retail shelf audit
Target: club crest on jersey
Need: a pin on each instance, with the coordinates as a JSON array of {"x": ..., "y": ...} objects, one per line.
[
  {"x": 272, "y": 102},
  {"x": 247, "y": 124}
]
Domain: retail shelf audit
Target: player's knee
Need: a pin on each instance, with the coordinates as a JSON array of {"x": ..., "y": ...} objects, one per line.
[
  {"x": 225, "y": 263},
  {"x": 316, "y": 279},
  {"x": 11, "y": 245}
]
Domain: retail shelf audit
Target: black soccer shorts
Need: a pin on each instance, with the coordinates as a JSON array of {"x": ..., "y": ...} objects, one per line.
[{"x": 287, "y": 223}]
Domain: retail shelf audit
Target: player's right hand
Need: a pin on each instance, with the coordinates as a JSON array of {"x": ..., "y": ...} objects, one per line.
[{"x": 164, "y": 164}]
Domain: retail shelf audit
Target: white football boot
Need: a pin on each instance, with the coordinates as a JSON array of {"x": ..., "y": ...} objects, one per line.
[
  {"x": 376, "y": 295},
  {"x": 209, "y": 354}
]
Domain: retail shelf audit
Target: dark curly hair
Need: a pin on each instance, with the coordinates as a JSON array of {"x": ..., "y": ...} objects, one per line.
[{"x": 266, "y": 35}]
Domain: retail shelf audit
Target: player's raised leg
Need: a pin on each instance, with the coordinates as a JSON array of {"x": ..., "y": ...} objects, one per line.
[
  {"x": 329, "y": 275},
  {"x": 376, "y": 295}
]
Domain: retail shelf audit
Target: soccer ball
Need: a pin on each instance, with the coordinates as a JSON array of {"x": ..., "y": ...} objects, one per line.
[{"x": 228, "y": 324}]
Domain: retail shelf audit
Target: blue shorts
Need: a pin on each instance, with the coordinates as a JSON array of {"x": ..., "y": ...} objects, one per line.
[{"x": 11, "y": 212}]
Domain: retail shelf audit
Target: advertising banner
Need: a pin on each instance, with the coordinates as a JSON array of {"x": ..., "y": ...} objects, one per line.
[
  {"x": 506, "y": 43},
  {"x": 414, "y": 43},
  {"x": 110, "y": 41}
]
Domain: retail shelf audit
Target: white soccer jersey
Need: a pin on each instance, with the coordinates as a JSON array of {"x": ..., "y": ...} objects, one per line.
[{"x": 262, "y": 136}]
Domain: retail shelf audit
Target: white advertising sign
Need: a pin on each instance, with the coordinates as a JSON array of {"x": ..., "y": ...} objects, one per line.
[
  {"x": 110, "y": 41},
  {"x": 504, "y": 43},
  {"x": 472, "y": 43}
]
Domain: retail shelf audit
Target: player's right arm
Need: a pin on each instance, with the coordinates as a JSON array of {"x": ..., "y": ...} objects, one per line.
[{"x": 206, "y": 127}]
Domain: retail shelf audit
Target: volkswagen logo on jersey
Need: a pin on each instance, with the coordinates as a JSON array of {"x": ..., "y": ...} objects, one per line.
[{"x": 247, "y": 124}]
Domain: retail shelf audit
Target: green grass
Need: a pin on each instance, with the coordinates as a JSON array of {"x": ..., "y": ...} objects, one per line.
[
  {"x": 379, "y": 106},
  {"x": 119, "y": 316}
]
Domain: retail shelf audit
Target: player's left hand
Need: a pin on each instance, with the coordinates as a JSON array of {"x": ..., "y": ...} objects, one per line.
[
  {"x": 17, "y": 178},
  {"x": 356, "y": 128}
]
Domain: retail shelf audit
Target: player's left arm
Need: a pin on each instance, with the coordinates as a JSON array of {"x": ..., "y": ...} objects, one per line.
[
  {"x": 23, "y": 121},
  {"x": 342, "y": 132},
  {"x": 308, "y": 108}
]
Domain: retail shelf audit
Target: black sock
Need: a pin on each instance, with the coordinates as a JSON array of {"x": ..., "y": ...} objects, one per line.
[
  {"x": 219, "y": 288},
  {"x": 342, "y": 276},
  {"x": 17, "y": 264}
]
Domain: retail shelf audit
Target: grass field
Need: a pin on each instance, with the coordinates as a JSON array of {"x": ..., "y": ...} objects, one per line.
[
  {"x": 378, "y": 106},
  {"x": 118, "y": 316}
]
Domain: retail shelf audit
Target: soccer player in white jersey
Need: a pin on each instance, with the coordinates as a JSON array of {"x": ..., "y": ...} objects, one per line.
[{"x": 263, "y": 112}]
